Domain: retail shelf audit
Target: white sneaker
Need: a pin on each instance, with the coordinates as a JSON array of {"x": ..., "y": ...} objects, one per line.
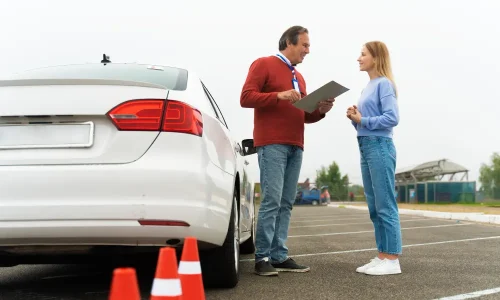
[
  {"x": 385, "y": 267},
  {"x": 373, "y": 262}
]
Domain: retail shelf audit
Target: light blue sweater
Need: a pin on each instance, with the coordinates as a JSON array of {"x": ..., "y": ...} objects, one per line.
[{"x": 379, "y": 109}]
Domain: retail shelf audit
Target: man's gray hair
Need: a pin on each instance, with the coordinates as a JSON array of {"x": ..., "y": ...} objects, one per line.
[{"x": 291, "y": 35}]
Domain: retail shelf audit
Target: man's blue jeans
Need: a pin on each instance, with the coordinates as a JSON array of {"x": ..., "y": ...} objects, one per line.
[
  {"x": 279, "y": 174},
  {"x": 378, "y": 164}
]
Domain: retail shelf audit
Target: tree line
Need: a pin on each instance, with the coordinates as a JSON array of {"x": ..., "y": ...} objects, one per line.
[
  {"x": 489, "y": 177},
  {"x": 338, "y": 184}
]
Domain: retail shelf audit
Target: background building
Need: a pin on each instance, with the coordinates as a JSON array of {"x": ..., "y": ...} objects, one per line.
[{"x": 440, "y": 181}]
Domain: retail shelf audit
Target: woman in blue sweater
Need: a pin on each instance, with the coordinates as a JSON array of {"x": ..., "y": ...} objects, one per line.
[{"x": 374, "y": 118}]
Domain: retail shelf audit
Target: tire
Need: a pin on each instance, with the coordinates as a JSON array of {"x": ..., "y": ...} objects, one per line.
[
  {"x": 221, "y": 267},
  {"x": 314, "y": 202}
]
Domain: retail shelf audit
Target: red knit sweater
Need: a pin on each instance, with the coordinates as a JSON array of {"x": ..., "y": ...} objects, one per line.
[{"x": 275, "y": 121}]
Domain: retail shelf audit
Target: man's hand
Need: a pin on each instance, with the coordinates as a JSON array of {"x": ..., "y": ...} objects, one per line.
[
  {"x": 290, "y": 95},
  {"x": 325, "y": 106}
]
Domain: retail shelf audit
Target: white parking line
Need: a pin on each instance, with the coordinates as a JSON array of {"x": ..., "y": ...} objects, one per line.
[
  {"x": 332, "y": 219},
  {"x": 368, "y": 231},
  {"x": 374, "y": 249},
  {"x": 330, "y": 215},
  {"x": 472, "y": 295},
  {"x": 340, "y": 224}
]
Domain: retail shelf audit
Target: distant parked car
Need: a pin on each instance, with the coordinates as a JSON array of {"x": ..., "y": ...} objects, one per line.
[{"x": 308, "y": 197}]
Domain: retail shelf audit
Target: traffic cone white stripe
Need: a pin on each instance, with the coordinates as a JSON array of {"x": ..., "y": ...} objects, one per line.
[
  {"x": 166, "y": 287},
  {"x": 189, "y": 267}
]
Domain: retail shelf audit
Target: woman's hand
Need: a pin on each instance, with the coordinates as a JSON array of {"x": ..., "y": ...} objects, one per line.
[
  {"x": 356, "y": 116},
  {"x": 353, "y": 114}
]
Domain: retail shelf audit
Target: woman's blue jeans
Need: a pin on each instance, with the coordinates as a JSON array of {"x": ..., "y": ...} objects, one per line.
[{"x": 378, "y": 166}]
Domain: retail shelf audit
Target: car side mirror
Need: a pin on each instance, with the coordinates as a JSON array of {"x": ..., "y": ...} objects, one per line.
[{"x": 248, "y": 147}]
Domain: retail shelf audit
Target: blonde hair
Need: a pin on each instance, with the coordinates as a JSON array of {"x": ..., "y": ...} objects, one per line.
[{"x": 382, "y": 60}]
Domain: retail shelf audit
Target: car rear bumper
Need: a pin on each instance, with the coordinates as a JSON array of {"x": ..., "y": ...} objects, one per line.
[
  {"x": 104, "y": 233},
  {"x": 102, "y": 204}
]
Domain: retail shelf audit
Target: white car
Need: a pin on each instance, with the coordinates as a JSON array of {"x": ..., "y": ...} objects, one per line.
[{"x": 110, "y": 156}]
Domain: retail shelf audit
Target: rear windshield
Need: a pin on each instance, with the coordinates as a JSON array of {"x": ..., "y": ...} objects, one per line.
[{"x": 168, "y": 77}]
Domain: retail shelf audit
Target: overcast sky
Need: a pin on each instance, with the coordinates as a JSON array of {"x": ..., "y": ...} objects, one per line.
[{"x": 445, "y": 61}]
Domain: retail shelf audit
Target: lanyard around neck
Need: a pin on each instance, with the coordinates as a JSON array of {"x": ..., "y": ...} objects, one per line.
[
  {"x": 287, "y": 63},
  {"x": 295, "y": 83}
]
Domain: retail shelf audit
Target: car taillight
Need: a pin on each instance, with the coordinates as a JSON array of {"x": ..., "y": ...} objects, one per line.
[
  {"x": 138, "y": 115},
  {"x": 180, "y": 117},
  {"x": 155, "y": 115}
]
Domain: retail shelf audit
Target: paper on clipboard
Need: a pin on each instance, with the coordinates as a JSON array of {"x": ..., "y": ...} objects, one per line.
[{"x": 330, "y": 90}]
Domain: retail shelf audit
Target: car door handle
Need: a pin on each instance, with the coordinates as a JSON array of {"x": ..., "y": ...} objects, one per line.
[{"x": 246, "y": 162}]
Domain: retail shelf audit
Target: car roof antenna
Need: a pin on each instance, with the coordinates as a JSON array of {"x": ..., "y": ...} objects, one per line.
[{"x": 105, "y": 59}]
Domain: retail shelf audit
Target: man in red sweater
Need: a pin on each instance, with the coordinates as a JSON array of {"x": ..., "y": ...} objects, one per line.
[{"x": 272, "y": 86}]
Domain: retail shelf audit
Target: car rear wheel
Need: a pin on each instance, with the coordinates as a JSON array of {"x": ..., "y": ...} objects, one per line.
[{"x": 221, "y": 267}]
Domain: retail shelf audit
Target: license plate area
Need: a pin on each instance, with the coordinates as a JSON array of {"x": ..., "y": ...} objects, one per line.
[{"x": 46, "y": 136}]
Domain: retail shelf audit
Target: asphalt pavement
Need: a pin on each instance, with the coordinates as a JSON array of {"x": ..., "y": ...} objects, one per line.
[{"x": 441, "y": 258}]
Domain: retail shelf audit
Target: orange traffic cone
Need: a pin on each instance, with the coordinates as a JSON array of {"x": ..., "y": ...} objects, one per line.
[
  {"x": 166, "y": 284},
  {"x": 124, "y": 285},
  {"x": 190, "y": 271}
]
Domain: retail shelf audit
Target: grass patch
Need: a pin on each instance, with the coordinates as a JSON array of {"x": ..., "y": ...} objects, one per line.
[
  {"x": 455, "y": 207},
  {"x": 490, "y": 207}
]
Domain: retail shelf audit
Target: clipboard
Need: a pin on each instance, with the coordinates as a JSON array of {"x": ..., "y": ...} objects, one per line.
[{"x": 330, "y": 90}]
